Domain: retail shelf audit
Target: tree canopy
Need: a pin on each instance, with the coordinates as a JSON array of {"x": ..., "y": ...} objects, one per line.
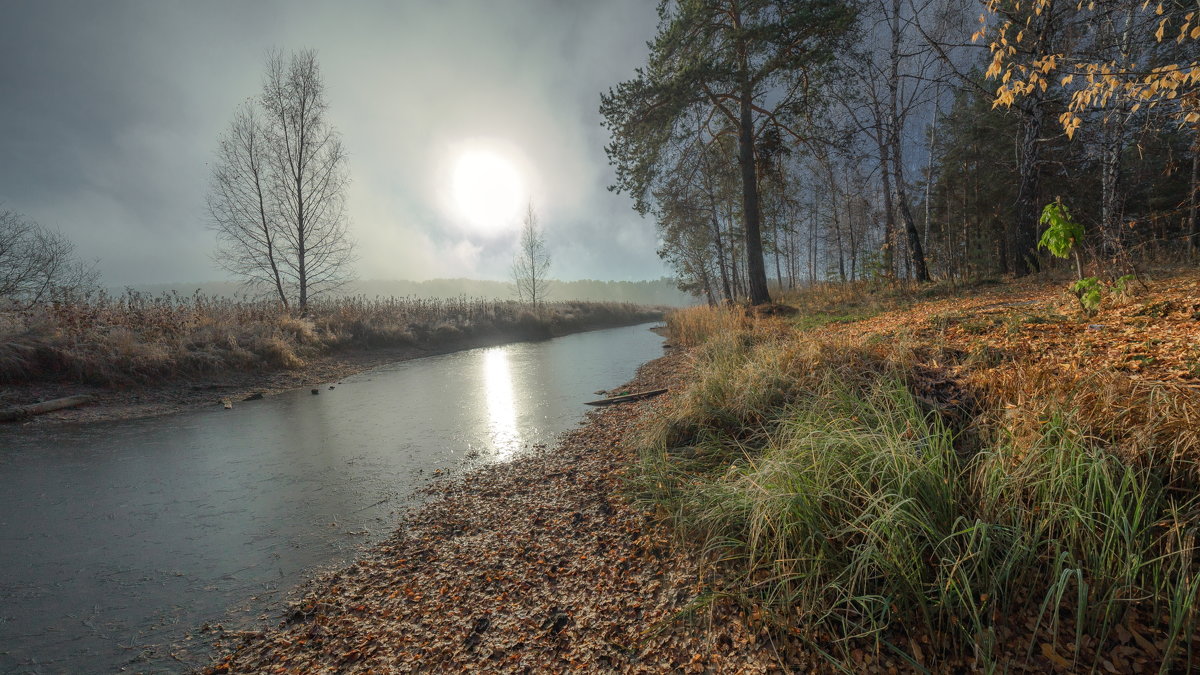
[
  {"x": 1109, "y": 61},
  {"x": 741, "y": 69}
]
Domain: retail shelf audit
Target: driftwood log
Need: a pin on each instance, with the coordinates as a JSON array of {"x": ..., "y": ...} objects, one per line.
[
  {"x": 21, "y": 412},
  {"x": 626, "y": 398}
]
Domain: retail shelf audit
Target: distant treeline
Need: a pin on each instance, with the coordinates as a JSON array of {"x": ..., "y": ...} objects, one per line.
[{"x": 658, "y": 292}]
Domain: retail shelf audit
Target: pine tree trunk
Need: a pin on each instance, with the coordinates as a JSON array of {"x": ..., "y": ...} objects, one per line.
[
  {"x": 853, "y": 239},
  {"x": 755, "y": 272},
  {"x": 706, "y": 284}
]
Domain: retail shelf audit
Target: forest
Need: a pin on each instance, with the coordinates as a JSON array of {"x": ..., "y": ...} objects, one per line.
[
  {"x": 899, "y": 443},
  {"x": 833, "y": 141}
]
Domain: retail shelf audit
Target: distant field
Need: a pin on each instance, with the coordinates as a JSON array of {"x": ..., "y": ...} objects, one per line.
[
  {"x": 656, "y": 292},
  {"x": 142, "y": 338}
]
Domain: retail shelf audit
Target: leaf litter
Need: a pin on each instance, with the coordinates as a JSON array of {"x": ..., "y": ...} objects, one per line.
[
  {"x": 542, "y": 565},
  {"x": 538, "y": 565}
]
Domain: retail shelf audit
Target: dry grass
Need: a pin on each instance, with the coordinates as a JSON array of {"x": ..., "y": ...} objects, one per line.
[
  {"x": 139, "y": 338},
  {"x": 937, "y": 476},
  {"x": 1129, "y": 374},
  {"x": 696, "y": 325},
  {"x": 827, "y": 297},
  {"x": 1148, "y": 423},
  {"x": 867, "y": 298}
]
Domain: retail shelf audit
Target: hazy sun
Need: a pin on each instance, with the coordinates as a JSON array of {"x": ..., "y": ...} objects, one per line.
[{"x": 486, "y": 189}]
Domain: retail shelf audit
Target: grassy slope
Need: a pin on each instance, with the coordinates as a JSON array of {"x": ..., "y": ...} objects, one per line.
[{"x": 990, "y": 480}]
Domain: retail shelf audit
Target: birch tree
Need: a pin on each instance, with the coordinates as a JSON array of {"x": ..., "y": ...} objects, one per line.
[
  {"x": 277, "y": 196},
  {"x": 532, "y": 262},
  {"x": 243, "y": 207}
]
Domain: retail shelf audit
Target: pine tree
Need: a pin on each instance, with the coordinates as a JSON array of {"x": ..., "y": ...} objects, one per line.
[{"x": 744, "y": 66}]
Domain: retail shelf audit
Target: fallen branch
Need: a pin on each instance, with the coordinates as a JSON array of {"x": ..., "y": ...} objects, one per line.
[
  {"x": 626, "y": 398},
  {"x": 21, "y": 412}
]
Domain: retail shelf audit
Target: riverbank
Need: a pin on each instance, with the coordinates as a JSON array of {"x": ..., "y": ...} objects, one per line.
[
  {"x": 536, "y": 564},
  {"x": 994, "y": 480},
  {"x": 137, "y": 399},
  {"x": 127, "y": 538}
]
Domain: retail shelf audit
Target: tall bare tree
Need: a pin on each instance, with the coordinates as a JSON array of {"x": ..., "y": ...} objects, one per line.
[
  {"x": 242, "y": 204},
  {"x": 277, "y": 198},
  {"x": 35, "y": 262},
  {"x": 532, "y": 262}
]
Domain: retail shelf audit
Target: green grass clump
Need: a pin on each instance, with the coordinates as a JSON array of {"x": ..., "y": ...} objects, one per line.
[{"x": 841, "y": 507}]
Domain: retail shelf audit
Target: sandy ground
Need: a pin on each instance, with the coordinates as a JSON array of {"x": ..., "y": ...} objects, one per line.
[{"x": 539, "y": 565}]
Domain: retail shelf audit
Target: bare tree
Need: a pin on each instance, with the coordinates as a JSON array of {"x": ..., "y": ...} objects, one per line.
[
  {"x": 277, "y": 198},
  {"x": 35, "y": 262},
  {"x": 242, "y": 204},
  {"x": 532, "y": 262}
]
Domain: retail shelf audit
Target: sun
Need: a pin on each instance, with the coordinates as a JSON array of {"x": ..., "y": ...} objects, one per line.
[{"x": 486, "y": 190}]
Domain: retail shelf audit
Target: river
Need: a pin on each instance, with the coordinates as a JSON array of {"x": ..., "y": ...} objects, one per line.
[{"x": 119, "y": 541}]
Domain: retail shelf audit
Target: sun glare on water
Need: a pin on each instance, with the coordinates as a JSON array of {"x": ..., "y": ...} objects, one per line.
[{"x": 487, "y": 190}]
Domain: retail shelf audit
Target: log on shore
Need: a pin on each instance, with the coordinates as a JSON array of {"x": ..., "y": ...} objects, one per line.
[
  {"x": 21, "y": 412},
  {"x": 626, "y": 398}
]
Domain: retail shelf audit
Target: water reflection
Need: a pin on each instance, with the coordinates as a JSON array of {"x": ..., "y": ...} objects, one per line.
[
  {"x": 502, "y": 413},
  {"x": 116, "y": 539}
]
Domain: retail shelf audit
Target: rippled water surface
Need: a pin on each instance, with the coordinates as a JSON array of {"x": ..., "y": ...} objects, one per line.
[{"x": 119, "y": 540}]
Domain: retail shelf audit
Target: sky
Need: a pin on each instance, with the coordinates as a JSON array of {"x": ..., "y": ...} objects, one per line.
[{"x": 110, "y": 113}]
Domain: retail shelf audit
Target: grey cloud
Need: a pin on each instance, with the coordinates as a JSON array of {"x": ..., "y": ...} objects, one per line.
[{"x": 111, "y": 113}]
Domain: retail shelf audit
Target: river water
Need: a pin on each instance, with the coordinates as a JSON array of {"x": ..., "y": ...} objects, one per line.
[{"x": 120, "y": 540}]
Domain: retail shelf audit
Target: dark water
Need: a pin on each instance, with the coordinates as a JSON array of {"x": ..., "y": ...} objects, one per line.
[{"x": 119, "y": 540}]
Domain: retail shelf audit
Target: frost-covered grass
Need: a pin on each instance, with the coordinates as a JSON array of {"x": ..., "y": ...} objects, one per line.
[
  {"x": 848, "y": 513},
  {"x": 103, "y": 339}
]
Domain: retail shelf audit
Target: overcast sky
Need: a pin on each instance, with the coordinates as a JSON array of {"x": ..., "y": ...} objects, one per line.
[{"x": 110, "y": 114}]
